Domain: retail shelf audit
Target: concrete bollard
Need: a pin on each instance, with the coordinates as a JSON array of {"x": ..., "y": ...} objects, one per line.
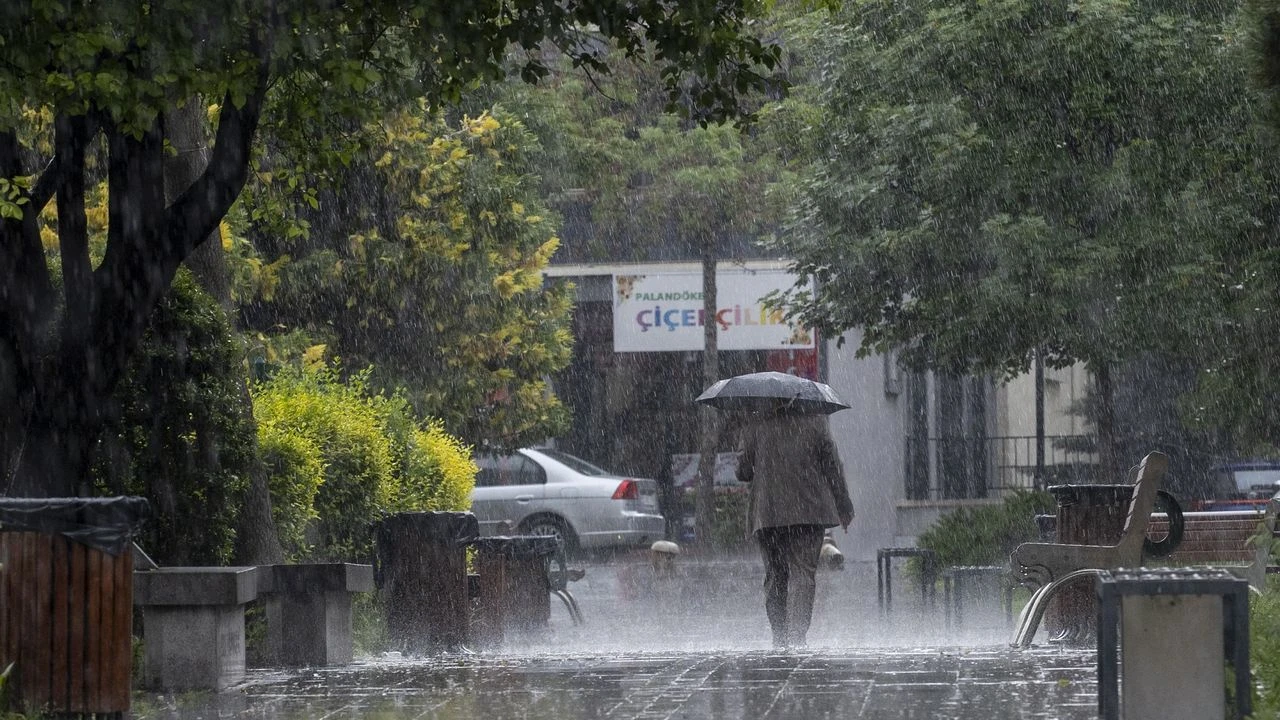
[
  {"x": 663, "y": 554},
  {"x": 1176, "y": 629},
  {"x": 830, "y": 557}
]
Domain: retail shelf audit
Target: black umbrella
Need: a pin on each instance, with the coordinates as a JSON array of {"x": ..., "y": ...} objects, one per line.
[{"x": 763, "y": 391}]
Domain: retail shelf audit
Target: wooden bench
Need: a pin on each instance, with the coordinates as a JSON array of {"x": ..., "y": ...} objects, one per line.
[
  {"x": 1038, "y": 564},
  {"x": 66, "y": 610},
  {"x": 66, "y": 621},
  {"x": 1223, "y": 537}
]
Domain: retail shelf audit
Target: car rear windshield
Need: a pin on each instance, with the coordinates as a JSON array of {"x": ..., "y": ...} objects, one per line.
[
  {"x": 1257, "y": 479},
  {"x": 574, "y": 462}
]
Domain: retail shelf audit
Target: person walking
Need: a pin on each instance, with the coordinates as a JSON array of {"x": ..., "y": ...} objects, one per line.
[{"x": 797, "y": 492}]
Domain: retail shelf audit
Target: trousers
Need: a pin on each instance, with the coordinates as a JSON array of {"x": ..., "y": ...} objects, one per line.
[{"x": 790, "y": 560}]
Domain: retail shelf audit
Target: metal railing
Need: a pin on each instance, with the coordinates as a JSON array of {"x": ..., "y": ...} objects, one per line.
[{"x": 972, "y": 467}]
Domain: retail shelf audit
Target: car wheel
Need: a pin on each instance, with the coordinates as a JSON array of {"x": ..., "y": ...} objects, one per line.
[{"x": 553, "y": 526}]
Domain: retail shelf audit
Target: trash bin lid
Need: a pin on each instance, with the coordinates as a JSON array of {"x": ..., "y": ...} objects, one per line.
[
  {"x": 1091, "y": 494},
  {"x": 106, "y": 524},
  {"x": 519, "y": 546},
  {"x": 438, "y": 525}
]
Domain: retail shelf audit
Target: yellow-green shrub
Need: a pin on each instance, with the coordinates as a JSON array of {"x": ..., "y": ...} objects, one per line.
[
  {"x": 295, "y": 470},
  {"x": 341, "y": 457},
  {"x": 438, "y": 472},
  {"x": 351, "y": 436}
]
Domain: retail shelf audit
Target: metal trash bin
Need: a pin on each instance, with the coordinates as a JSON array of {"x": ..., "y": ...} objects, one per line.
[
  {"x": 66, "y": 602},
  {"x": 514, "y": 584},
  {"x": 421, "y": 568},
  {"x": 1086, "y": 515}
]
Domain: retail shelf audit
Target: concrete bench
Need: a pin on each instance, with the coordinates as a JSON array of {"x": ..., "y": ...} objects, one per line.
[
  {"x": 309, "y": 611},
  {"x": 193, "y": 625}
]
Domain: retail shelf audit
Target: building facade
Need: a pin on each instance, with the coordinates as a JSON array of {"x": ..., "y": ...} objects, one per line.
[{"x": 914, "y": 445}]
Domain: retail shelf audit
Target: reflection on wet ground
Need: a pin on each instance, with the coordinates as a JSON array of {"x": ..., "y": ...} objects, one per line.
[
  {"x": 935, "y": 684},
  {"x": 695, "y": 649}
]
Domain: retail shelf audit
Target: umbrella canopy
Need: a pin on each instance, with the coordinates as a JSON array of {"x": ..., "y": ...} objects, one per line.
[{"x": 762, "y": 391}]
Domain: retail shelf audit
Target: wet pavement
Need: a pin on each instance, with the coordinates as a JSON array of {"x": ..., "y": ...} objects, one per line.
[{"x": 695, "y": 647}]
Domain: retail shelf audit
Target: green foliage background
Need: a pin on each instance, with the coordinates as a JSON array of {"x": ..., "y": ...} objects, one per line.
[
  {"x": 423, "y": 259},
  {"x": 986, "y": 535},
  {"x": 1264, "y": 648},
  {"x": 179, "y": 437}
]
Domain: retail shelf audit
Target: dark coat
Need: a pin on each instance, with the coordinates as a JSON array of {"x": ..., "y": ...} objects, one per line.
[{"x": 795, "y": 473}]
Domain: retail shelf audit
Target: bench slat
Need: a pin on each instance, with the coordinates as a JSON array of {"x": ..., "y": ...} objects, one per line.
[
  {"x": 41, "y": 658},
  {"x": 1210, "y": 557},
  {"x": 93, "y": 645},
  {"x": 1212, "y": 537}
]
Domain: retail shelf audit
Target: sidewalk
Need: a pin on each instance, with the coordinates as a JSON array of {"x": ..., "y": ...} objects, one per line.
[
  {"x": 882, "y": 685},
  {"x": 649, "y": 652}
]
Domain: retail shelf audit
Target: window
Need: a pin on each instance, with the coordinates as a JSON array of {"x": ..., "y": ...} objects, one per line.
[
  {"x": 508, "y": 470},
  {"x": 575, "y": 462},
  {"x": 892, "y": 374}
]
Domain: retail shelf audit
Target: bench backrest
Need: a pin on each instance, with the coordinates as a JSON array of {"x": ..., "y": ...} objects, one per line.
[{"x": 1150, "y": 472}]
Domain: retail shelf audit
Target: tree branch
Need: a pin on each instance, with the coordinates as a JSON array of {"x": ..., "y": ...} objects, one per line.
[
  {"x": 70, "y": 137},
  {"x": 133, "y": 273},
  {"x": 197, "y": 211},
  {"x": 47, "y": 184},
  {"x": 26, "y": 291}
]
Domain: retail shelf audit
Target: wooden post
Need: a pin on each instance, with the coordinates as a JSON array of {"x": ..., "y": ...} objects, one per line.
[
  {"x": 422, "y": 571},
  {"x": 515, "y": 592},
  {"x": 67, "y": 613},
  {"x": 66, "y": 603}
]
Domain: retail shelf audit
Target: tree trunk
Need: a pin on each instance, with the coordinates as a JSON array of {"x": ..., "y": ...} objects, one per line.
[
  {"x": 1108, "y": 459},
  {"x": 704, "y": 506},
  {"x": 50, "y": 461},
  {"x": 62, "y": 378},
  {"x": 184, "y": 128},
  {"x": 51, "y": 429},
  {"x": 257, "y": 540}
]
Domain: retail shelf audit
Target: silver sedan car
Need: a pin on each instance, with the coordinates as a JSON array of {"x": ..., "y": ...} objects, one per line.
[{"x": 541, "y": 491}]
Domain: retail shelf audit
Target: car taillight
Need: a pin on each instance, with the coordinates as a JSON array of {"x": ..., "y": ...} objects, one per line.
[{"x": 627, "y": 490}]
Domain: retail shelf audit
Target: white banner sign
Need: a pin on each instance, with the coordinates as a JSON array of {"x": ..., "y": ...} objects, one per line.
[{"x": 656, "y": 313}]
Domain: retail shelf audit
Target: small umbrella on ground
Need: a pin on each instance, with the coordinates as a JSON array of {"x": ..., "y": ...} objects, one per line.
[{"x": 762, "y": 391}]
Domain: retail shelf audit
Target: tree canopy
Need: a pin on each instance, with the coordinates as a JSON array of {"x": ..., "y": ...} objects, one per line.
[
  {"x": 107, "y": 72},
  {"x": 1076, "y": 179},
  {"x": 425, "y": 261}
]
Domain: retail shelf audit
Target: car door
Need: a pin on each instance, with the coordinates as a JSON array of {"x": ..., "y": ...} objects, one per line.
[{"x": 508, "y": 489}]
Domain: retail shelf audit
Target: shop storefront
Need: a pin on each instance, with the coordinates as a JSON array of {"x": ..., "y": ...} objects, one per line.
[{"x": 638, "y": 358}]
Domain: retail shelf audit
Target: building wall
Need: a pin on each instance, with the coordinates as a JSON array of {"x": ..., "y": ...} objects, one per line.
[
  {"x": 869, "y": 437},
  {"x": 633, "y": 411}
]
